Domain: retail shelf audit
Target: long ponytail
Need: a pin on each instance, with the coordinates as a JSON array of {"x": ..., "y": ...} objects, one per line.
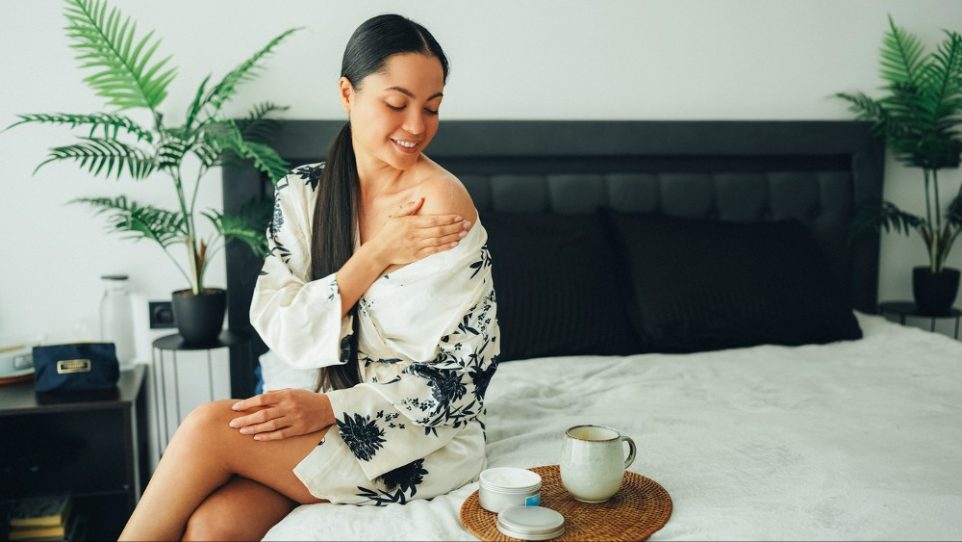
[{"x": 332, "y": 244}]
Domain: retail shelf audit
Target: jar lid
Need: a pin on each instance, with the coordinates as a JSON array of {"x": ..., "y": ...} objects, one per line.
[
  {"x": 531, "y": 522},
  {"x": 114, "y": 277},
  {"x": 510, "y": 480}
]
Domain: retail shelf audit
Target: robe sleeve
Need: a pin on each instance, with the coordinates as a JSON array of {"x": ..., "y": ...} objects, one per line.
[
  {"x": 299, "y": 319},
  {"x": 419, "y": 408}
]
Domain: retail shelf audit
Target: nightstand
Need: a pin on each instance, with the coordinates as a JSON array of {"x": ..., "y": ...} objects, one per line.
[
  {"x": 904, "y": 309},
  {"x": 93, "y": 448}
]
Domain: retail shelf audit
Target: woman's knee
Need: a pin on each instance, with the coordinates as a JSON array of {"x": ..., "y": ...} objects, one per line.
[
  {"x": 241, "y": 509},
  {"x": 206, "y": 424},
  {"x": 206, "y": 429},
  {"x": 214, "y": 520},
  {"x": 208, "y": 414}
]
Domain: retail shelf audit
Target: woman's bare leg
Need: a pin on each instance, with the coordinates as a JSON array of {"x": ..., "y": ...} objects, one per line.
[
  {"x": 241, "y": 509},
  {"x": 204, "y": 453}
]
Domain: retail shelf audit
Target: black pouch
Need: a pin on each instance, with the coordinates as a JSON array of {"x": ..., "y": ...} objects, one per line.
[{"x": 75, "y": 367}]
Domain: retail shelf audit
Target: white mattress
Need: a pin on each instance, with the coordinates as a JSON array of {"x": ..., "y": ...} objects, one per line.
[{"x": 854, "y": 440}]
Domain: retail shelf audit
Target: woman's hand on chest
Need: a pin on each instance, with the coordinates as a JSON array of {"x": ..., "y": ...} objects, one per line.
[{"x": 408, "y": 237}]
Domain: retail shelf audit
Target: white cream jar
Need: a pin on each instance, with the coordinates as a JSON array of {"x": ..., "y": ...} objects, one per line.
[{"x": 503, "y": 487}]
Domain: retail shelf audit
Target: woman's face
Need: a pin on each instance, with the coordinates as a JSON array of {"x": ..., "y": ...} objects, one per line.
[{"x": 399, "y": 105}]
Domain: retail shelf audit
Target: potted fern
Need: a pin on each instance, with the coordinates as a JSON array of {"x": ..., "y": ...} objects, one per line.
[
  {"x": 919, "y": 118},
  {"x": 126, "y": 74}
]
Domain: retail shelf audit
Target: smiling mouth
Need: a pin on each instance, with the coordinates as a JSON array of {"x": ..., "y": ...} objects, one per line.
[{"x": 405, "y": 148}]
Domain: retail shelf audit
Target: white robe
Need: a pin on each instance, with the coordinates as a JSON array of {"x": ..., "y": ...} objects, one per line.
[{"x": 428, "y": 346}]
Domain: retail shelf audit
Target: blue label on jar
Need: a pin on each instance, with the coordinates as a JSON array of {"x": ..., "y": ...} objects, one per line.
[{"x": 534, "y": 500}]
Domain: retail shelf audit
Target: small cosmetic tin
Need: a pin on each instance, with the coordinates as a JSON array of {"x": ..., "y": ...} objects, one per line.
[
  {"x": 503, "y": 487},
  {"x": 531, "y": 522}
]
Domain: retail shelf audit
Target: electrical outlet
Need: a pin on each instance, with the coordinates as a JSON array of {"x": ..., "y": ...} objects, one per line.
[{"x": 161, "y": 314}]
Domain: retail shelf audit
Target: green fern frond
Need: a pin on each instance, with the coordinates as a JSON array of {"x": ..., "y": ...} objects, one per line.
[
  {"x": 919, "y": 116},
  {"x": 890, "y": 217},
  {"x": 227, "y": 87},
  {"x": 954, "y": 214},
  {"x": 107, "y": 44},
  {"x": 95, "y": 153},
  {"x": 226, "y": 140},
  {"x": 867, "y": 108},
  {"x": 247, "y": 226},
  {"x": 197, "y": 104},
  {"x": 208, "y": 155},
  {"x": 212, "y": 143},
  {"x": 257, "y": 127},
  {"x": 901, "y": 55},
  {"x": 263, "y": 109},
  {"x": 885, "y": 215},
  {"x": 266, "y": 159},
  {"x": 942, "y": 79},
  {"x": 139, "y": 221},
  {"x": 109, "y": 123},
  {"x": 171, "y": 153}
]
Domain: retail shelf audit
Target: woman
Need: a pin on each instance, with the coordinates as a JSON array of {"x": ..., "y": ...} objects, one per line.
[{"x": 379, "y": 277}]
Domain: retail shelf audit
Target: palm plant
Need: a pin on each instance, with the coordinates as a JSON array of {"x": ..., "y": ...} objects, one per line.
[
  {"x": 127, "y": 76},
  {"x": 919, "y": 119}
]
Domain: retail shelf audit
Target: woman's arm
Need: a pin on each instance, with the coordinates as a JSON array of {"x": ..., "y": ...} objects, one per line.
[
  {"x": 358, "y": 273},
  {"x": 300, "y": 319}
]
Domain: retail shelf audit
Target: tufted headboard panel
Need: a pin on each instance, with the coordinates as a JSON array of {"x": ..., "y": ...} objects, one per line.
[{"x": 815, "y": 171}]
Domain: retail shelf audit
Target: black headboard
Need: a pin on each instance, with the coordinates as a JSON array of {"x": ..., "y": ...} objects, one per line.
[{"x": 816, "y": 171}]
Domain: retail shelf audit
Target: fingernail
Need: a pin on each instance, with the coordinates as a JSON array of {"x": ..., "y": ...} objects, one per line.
[
  {"x": 466, "y": 224},
  {"x": 257, "y": 437},
  {"x": 235, "y": 406},
  {"x": 462, "y": 233},
  {"x": 245, "y": 430},
  {"x": 233, "y": 423},
  {"x": 456, "y": 218}
]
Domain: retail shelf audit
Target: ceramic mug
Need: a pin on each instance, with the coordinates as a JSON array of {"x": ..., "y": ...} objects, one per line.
[{"x": 593, "y": 462}]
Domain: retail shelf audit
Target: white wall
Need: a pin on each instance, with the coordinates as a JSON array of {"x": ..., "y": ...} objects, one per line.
[{"x": 666, "y": 59}]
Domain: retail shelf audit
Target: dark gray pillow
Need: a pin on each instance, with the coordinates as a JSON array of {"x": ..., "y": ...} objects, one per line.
[
  {"x": 708, "y": 285},
  {"x": 556, "y": 281}
]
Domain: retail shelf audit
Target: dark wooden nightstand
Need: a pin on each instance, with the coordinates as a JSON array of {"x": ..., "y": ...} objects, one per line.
[{"x": 94, "y": 449}]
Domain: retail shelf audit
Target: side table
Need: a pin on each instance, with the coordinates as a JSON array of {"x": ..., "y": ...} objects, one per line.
[
  {"x": 94, "y": 449},
  {"x": 904, "y": 309},
  {"x": 175, "y": 343}
]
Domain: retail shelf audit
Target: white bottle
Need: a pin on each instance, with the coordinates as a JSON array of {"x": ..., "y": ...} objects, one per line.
[{"x": 116, "y": 318}]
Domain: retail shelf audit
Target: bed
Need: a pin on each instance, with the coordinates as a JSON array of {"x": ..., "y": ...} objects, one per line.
[{"x": 848, "y": 439}]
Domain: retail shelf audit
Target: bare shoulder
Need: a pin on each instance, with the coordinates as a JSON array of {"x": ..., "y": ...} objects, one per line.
[{"x": 445, "y": 194}]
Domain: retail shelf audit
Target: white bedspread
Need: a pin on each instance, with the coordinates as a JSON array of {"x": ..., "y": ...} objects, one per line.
[{"x": 857, "y": 440}]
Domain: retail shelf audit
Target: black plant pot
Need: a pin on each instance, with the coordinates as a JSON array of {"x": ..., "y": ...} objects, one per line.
[
  {"x": 200, "y": 317},
  {"x": 935, "y": 292}
]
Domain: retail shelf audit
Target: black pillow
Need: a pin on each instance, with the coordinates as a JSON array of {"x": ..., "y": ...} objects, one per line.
[
  {"x": 554, "y": 277},
  {"x": 708, "y": 285}
]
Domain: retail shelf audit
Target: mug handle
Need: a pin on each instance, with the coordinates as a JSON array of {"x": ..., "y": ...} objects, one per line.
[{"x": 631, "y": 451}]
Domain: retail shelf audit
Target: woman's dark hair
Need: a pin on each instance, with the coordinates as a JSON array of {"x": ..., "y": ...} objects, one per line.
[{"x": 336, "y": 210}]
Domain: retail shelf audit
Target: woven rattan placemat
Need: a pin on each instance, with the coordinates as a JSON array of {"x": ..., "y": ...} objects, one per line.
[{"x": 640, "y": 508}]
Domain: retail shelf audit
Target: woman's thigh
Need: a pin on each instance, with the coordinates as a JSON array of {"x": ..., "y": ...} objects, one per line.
[
  {"x": 241, "y": 509},
  {"x": 269, "y": 462}
]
